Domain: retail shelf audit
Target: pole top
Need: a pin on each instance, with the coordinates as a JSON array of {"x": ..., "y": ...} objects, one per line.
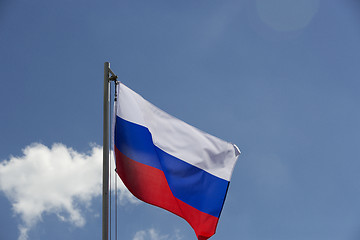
[{"x": 113, "y": 76}]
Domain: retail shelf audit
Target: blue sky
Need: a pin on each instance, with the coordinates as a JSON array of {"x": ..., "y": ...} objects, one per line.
[{"x": 279, "y": 78}]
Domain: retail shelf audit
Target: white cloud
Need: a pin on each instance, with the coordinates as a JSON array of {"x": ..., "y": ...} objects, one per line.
[
  {"x": 56, "y": 180},
  {"x": 23, "y": 233},
  {"x": 152, "y": 234}
]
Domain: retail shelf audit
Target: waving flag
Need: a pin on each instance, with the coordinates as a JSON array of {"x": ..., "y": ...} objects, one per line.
[{"x": 170, "y": 164}]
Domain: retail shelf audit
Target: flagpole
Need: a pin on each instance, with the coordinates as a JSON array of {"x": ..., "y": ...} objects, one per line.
[{"x": 105, "y": 199}]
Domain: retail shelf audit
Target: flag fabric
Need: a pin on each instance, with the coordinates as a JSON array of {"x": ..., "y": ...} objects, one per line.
[{"x": 168, "y": 163}]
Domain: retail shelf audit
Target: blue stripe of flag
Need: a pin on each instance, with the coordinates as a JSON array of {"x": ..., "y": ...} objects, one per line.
[{"x": 188, "y": 183}]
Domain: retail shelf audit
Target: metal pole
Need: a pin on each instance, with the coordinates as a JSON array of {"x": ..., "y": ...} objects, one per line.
[{"x": 105, "y": 204}]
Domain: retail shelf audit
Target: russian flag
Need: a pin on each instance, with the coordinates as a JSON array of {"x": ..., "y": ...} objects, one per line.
[{"x": 170, "y": 164}]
